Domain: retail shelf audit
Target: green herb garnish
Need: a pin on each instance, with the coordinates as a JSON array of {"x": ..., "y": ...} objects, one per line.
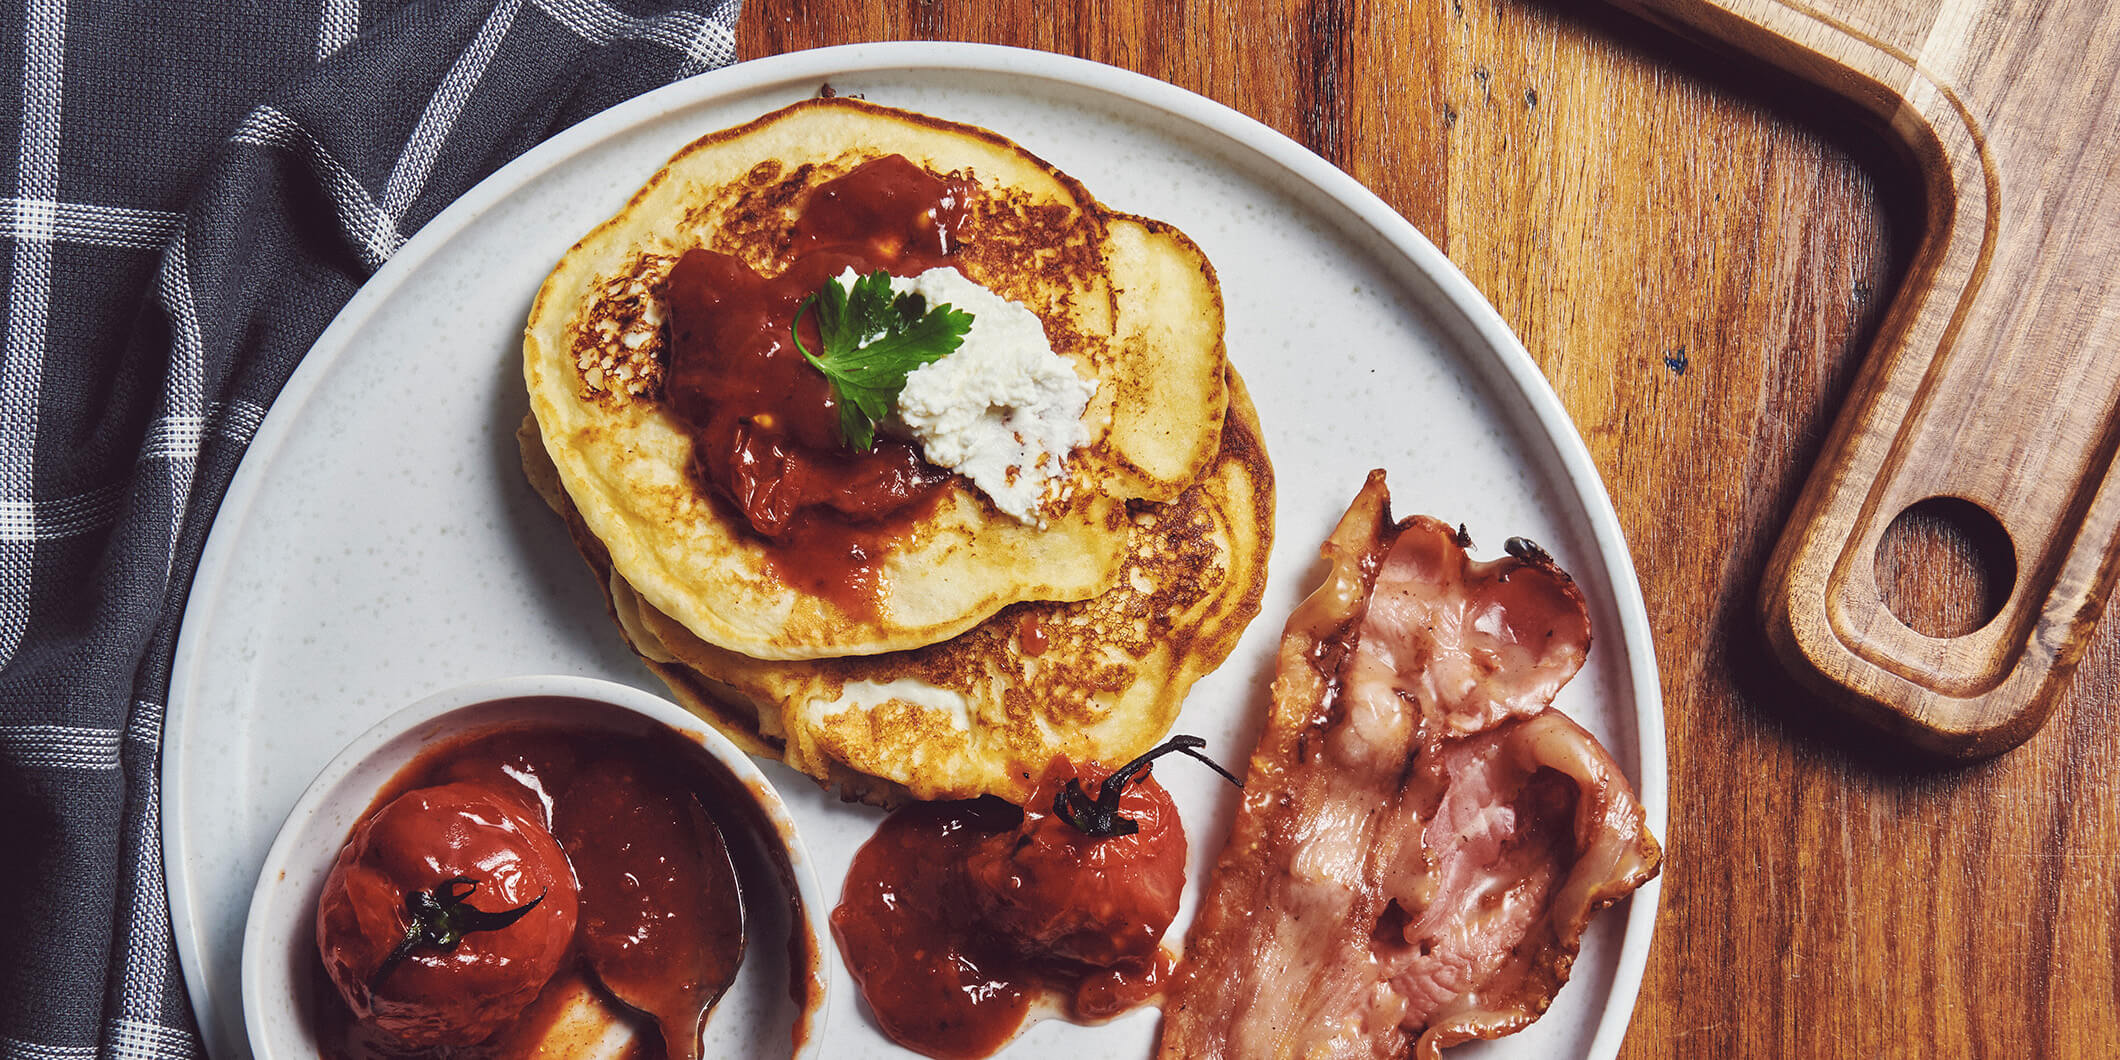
[{"x": 872, "y": 341}]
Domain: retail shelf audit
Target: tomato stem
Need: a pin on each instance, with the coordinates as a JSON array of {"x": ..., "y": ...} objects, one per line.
[
  {"x": 442, "y": 917},
  {"x": 1099, "y": 818}
]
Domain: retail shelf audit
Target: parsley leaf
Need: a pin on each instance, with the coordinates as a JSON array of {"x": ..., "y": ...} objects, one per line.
[{"x": 872, "y": 341}]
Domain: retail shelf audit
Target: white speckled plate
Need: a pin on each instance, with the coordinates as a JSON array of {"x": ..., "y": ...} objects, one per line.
[{"x": 379, "y": 542}]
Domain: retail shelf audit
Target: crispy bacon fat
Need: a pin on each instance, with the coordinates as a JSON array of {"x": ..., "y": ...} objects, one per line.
[{"x": 1422, "y": 841}]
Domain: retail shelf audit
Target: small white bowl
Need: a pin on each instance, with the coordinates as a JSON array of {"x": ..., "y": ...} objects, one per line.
[{"x": 757, "y": 1015}]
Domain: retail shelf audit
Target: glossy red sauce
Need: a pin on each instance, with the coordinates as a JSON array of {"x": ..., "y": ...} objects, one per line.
[
  {"x": 764, "y": 422},
  {"x": 1030, "y": 634},
  {"x": 657, "y": 894},
  {"x": 957, "y": 915},
  {"x": 661, "y": 916}
]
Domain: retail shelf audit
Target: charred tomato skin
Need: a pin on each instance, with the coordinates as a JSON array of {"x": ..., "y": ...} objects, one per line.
[
  {"x": 1049, "y": 890},
  {"x": 956, "y": 915},
  {"x": 417, "y": 842}
]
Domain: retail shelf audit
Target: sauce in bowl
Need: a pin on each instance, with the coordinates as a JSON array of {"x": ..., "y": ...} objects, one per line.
[{"x": 615, "y": 838}]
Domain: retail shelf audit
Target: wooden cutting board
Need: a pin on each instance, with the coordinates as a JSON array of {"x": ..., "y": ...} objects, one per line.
[{"x": 1988, "y": 399}]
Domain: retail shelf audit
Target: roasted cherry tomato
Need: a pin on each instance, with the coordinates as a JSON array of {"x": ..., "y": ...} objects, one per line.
[
  {"x": 1049, "y": 888},
  {"x": 957, "y": 914},
  {"x": 445, "y": 914}
]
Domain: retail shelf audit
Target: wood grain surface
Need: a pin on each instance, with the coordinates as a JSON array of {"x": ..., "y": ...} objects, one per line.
[
  {"x": 1990, "y": 391},
  {"x": 1697, "y": 252}
]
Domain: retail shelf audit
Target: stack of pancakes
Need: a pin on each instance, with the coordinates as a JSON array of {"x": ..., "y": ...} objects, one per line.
[{"x": 995, "y": 644}]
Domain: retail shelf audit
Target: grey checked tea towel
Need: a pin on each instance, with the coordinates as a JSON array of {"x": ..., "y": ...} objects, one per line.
[{"x": 192, "y": 190}]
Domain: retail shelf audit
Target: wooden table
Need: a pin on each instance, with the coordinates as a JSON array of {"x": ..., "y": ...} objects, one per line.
[{"x": 1697, "y": 254}]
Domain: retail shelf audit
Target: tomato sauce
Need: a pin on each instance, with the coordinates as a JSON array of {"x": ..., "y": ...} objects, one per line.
[
  {"x": 1030, "y": 634},
  {"x": 764, "y": 421},
  {"x": 656, "y": 891},
  {"x": 662, "y": 919},
  {"x": 957, "y": 916}
]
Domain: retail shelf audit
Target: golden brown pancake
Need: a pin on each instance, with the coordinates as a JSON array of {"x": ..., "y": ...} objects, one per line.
[
  {"x": 1097, "y": 680},
  {"x": 1131, "y": 304}
]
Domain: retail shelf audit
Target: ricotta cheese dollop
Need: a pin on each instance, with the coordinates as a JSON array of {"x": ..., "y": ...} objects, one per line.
[{"x": 1003, "y": 409}]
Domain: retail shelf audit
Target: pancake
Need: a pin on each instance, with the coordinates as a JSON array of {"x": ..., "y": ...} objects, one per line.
[
  {"x": 1131, "y": 304},
  {"x": 1097, "y": 680}
]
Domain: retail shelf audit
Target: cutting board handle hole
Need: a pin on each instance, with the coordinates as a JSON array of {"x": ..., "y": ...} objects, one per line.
[{"x": 1945, "y": 567}]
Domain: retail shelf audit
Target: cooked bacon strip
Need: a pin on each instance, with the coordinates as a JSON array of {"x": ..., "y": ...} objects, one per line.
[{"x": 1422, "y": 841}]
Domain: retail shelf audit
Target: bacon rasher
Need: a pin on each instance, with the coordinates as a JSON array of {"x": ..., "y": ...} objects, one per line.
[{"x": 1422, "y": 841}]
